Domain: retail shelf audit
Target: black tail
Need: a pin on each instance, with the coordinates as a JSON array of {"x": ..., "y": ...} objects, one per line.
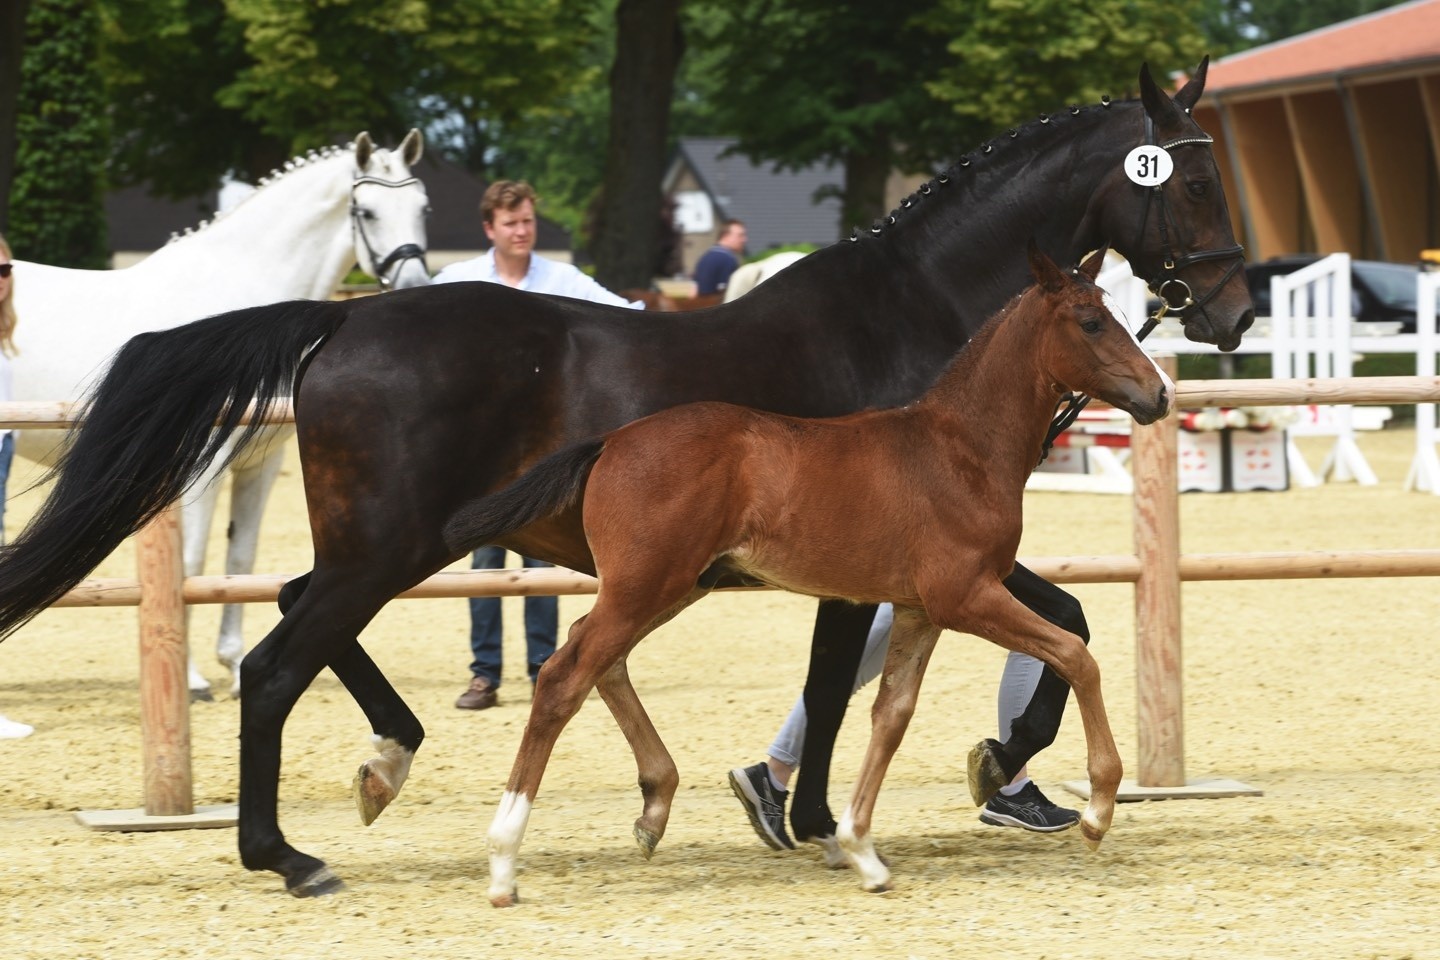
[
  {"x": 543, "y": 491},
  {"x": 164, "y": 409}
]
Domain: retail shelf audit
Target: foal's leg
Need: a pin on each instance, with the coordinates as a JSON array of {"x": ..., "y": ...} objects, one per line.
[
  {"x": 993, "y": 764},
  {"x": 622, "y": 615},
  {"x": 988, "y": 611},
  {"x": 659, "y": 779},
  {"x": 912, "y": 640},
  {"x": 835, "y": 651}
]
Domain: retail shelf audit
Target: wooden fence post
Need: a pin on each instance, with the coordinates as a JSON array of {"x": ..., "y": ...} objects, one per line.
[
  {"x": 1159, "y": 696},
  {"x": 164, "y": 697}
]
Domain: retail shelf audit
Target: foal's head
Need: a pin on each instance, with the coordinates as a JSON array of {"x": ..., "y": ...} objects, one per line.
[{"x": 1086, "y": 347}]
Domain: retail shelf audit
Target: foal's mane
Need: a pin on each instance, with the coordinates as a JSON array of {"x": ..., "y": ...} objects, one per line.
[{"x": 298, "y": 162}]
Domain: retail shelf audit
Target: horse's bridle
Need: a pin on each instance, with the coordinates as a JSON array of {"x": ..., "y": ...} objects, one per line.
[
  {"x": 1171, "y": 266},
  {"x": 406, "y": 251}
]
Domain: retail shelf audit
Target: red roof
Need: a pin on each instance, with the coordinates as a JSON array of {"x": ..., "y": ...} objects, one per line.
[{"x": 1399, "y": 35}]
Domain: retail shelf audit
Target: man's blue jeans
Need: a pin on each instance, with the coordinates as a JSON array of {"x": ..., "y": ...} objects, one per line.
[{"x": 542, "y": 622}]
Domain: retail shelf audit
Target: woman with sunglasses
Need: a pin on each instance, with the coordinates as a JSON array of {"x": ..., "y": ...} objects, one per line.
[{"x": 9, "y": 729}]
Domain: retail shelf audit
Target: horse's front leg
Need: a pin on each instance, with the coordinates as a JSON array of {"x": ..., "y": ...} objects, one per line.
[
  {"x": 991, "y": 612},
  {"x": 836, "y": 649},
  {"x": 912, "y": 640},
  {"x": 249, "y": 491},
  {"x": 659, "y": 778},
  {"x": 994, "y": 764}
]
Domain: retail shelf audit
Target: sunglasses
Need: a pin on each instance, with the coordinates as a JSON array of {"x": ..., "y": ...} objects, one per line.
[{"x": 5, "y": 269}]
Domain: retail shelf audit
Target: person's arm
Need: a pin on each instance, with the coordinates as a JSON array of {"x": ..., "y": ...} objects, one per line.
[{"x": 581, "y": 286}]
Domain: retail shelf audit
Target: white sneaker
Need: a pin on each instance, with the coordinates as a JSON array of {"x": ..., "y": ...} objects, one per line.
[{"x": 10, "y": 730}]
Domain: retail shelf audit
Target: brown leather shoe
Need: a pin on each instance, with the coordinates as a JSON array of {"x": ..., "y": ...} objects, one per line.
[{"x": 480, "y": 696}]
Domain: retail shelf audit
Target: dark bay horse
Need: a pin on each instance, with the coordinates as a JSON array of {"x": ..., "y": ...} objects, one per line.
[
  {"x": 411, "y": 405},
  {"x": 919, "y": 506}
]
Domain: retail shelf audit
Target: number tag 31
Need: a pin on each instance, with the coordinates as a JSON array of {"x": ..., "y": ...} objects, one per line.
[{"x": 1149, "y": 165}]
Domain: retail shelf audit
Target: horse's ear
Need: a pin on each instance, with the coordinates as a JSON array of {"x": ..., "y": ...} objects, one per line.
[
  {"x": 412, "y": 147},
  {"x": 1189, "y": 94},
  {"x": 1157, "y": 102},
  {"x": 364, "y": 148},
  {"x": 1093, "y": 264},
  {"x": 1050, "y": 277}
]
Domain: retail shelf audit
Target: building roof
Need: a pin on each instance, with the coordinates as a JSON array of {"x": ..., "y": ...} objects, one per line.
[
  {"x": 1395, "y": 37},
  {"x": 778, "y": 206}
]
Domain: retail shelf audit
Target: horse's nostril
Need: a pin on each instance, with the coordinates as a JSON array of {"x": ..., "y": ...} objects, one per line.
[{"x": 1247, "y": 319}]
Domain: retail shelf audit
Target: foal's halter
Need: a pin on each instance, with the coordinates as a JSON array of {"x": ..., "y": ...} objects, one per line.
[
  {"x": 1171, "y": 266},
  {"x": 406, "y": 251}
]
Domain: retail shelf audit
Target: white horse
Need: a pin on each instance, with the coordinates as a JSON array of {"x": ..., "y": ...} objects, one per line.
[
  {"x": 750, "y": 275},
  {"x": 296, "y": 236}
]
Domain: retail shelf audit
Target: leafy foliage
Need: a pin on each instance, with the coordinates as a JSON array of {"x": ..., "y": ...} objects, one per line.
[{"x": 56, "y": 205}]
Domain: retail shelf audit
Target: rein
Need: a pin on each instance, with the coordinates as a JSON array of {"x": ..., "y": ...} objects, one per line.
[
  {"x": 1171, "y": 265},
  {"x": 406, "y": 251}
]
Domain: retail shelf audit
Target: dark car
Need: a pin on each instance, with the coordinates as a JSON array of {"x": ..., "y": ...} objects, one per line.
[{"x": 1379, "y": 292}]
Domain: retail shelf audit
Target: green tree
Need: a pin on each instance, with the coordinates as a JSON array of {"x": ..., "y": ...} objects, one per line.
[
  {"x": 57, "y": 210},
  {"x": 12, "y": 33},
  {"x": 807, "y": 81},
  {"x": 649, "y": 45},
  {"x": 201, "y": 89}
]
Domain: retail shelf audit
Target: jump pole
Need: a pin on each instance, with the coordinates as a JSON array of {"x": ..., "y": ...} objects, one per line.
[{"x": 164, "y": 699}]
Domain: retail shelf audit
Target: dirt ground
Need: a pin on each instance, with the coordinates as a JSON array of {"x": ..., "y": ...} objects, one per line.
[{"x": 1322, "y": 694}]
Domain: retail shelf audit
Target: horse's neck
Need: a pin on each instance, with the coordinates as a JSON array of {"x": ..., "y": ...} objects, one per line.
[
  {"x": 289, "y": 239},
  {"x": 995, "y": 398},
  {"x": 971, "y": 231}
]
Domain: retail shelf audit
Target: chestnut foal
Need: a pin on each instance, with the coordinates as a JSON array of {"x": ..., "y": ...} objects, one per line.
[{"x": 919, "y": 506}]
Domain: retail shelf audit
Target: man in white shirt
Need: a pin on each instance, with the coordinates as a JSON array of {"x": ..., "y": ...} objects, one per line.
[{"x": 508, "y": 212}]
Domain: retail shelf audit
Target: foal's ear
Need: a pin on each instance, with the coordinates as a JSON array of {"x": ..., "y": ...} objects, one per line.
[
  {"x": 1157, "y": 102},
  {"x": 1050, "y": 277},
  {"x": 1094, "y": 263}
]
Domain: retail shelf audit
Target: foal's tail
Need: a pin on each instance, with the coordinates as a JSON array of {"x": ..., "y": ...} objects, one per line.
[
  {"x": 164, "y": 410},
  {"x": 543, "y": 491}
]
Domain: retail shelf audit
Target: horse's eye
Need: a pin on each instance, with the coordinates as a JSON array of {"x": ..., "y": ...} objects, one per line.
[
  {"x": 1090, "y": 326},
  {"x": 426, "y": 211},
  {"x": 1198, "y": 188}
]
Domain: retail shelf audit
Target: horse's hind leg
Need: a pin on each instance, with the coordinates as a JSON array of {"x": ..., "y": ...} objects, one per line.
[
  {"x": 197, "y": 512},
  {"x": 993, "y": 764},
  {"x": 322, "y": 623},
  {"x": 835, "y": 652},
  {"x": 249, "y": 491},
  {"x": 912, "y": 640},
  {"x": 659, "y": 778},
  {"x": 395, "y": 730}
]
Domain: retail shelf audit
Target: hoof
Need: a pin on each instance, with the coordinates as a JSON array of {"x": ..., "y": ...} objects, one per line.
[
  {"x": 320, "y": 883},
  {"x": 201, "y": 695},
  {"x": 647, "y": 840},
  {"x": 372, "y": 793},
  {"x": 1091, "y": 834},
  {"x": 986, "y": 776},
  {"x": 505, "y": 899},
  {"x": 884, "y": 886},
  {"x": 835, "y": 858}
]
